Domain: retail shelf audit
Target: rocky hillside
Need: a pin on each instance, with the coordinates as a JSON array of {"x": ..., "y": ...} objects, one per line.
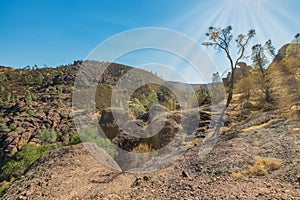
[
  {"x": 36, "y": 112},
  {"x": 255, "y": 156},
  {"x": 256, "y": 159},
  {"x": 37, "y": 101}
]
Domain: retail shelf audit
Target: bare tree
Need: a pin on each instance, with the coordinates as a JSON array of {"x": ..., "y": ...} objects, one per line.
[{"x": 221, "y": 39}]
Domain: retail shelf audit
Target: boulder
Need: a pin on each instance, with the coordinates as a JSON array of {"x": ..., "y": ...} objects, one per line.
[
  {"x": 157, "y": 110},
  {"x": 126, "y": 141},
  {"x": 108, "y": 121},
  {"x": 163, "y": 130}
]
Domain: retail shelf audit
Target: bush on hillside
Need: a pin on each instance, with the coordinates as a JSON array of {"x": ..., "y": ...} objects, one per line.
[
  {"x": 22, "y": 160},
  {"x": 91, "y": 134},
  {"x": 47, "y": 136}
]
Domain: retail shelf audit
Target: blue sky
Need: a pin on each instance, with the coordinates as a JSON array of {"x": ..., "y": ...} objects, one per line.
[{"x": 55, "y": 32}]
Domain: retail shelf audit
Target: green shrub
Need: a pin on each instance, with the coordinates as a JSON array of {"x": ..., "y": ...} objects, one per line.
[
  {"x": 4, "y": 186},
  {"x": 3, "y": 127},
  {"x": 34, "y": 97},
  {"x": 30, "y": 112},
  {"x": 1, "y": 89},
  {"x": 12, "y": 127},
  {"x": 91, "y": 135},
  {"x": 6, "y": 104},
  {"x": 48, "y": 136},
  {"x": 12, "y": 169},
  {"x": 28, "y": 97},
  {"x": 75, "y": 139},
  {"x": 8, "y": 96},
  {"x": 22, "y": 160},
  {"x": 137, "y": 107},
  {"x": 150, "y": 100}
]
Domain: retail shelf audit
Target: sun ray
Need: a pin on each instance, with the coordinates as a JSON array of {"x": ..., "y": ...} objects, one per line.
[{"x": 270, "y": 19}]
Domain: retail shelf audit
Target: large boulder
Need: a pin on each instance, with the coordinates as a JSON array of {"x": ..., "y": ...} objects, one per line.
[
  {"x": 162, "y": 129},
  {"x": 157, "y": 110},
  {"x": 108, "y": 121}
]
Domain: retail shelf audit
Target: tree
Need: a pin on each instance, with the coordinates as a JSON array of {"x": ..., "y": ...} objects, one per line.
[
  {"x": 221, "y": 39},
  {"x": 216, "y": 77},
  {"x": 260, "y": 61},
  {"x": 296, "y": 38},
  {"x": 244, "y": 86}
]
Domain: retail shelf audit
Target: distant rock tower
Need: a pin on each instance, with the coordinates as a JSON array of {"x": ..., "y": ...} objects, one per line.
[{"x": 241, "y": 71}]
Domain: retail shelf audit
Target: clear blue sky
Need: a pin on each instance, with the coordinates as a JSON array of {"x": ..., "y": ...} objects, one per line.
[{"x": 55, "y": 32}]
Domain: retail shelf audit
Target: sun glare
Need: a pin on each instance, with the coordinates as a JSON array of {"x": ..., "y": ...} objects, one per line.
[{"x": 267, "y": 17}]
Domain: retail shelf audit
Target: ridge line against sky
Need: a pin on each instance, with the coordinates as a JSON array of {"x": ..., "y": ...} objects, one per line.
[{"x": 54, "y": 32}]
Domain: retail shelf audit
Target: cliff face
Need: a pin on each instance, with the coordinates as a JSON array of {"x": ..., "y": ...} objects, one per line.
[
  {"x": 281, "y": 53},
  {"x": 241, "y": 71}
]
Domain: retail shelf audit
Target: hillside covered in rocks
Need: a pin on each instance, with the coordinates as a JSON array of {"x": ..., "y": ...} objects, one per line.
[{"x": 255, "y": 156}]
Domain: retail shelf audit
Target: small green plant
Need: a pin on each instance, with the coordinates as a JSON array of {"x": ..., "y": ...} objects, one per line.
[
  {"x": 34, "y": 97},
  {"x": 48, "y": 136},
  {"x": 13, "y": 99},
  {"x": 30, "y": 112},
  {"x": 1, "y": 89},
  {"x": 8, "y": 96},
  {"x": 28, "y": 97}
]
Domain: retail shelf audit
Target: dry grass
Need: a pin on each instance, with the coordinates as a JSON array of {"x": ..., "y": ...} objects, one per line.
[
  {"x": 194, "y": 142},
  {"x": 261, "y": 167},
  {"x": 251, "y": 128},
  {"x": 142, "y": 148}
]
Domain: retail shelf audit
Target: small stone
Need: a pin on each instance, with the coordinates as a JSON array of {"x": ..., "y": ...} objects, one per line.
[
  {"x": 184, "y": 174},
  {"x": 146, "y": 178}
]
